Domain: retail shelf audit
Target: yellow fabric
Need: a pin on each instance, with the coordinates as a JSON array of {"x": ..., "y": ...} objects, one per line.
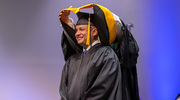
[
  {"x": 86, "y": 6},
  {"x": 111, "y": 23},
  {"x": 89, "y": 30},
  {"x": 76, "y": 10}
]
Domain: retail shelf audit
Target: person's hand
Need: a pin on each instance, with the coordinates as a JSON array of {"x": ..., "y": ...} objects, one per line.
[{"x": 64, "y": 15}]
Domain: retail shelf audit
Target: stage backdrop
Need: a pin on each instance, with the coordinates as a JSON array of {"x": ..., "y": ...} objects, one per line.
[{"x": 31, "y": 58}]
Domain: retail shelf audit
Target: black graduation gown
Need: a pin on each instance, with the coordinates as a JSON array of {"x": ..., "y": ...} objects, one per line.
[
  {"x": 95, "y": 76},
  {"x": 127, "y": 50}
]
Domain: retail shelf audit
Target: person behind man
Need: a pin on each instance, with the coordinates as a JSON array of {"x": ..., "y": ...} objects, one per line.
[{"x": 95, "y": 73}]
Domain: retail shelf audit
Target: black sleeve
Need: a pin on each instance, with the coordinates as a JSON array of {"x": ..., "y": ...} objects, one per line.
[
  {"x": 68, "y": 41},
  {"x": 66, "y": 47},
  {"x": 64, "y": 82}
]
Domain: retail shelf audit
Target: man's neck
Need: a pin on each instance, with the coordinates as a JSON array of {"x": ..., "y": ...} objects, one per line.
[{"x": 88, "y": 47}]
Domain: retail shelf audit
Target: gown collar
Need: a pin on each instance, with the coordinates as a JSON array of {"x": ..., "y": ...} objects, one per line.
[{"x": 94, "y": 43}]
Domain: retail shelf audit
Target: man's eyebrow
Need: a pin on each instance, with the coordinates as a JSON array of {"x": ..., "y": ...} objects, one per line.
[{"x": 82, "y": 28}]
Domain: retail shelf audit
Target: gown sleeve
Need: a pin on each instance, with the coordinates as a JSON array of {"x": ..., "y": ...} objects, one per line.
[
  {"x": 107, "y": 85},
  {"x": 64, "y": 82}
]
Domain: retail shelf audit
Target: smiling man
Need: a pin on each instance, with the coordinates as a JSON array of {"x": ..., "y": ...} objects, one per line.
[
  {"x": 95, "y": 73},
  {"x": 82, "y": 31}
]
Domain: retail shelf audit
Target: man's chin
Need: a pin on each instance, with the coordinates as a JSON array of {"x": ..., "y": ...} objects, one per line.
[{"x": 82, "y": 44}]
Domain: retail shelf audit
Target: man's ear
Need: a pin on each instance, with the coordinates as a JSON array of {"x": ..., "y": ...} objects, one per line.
[{"x": 95, "y": 32}]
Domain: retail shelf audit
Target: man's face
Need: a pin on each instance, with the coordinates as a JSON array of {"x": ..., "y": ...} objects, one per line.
[{"x": 81, "y": 34}]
